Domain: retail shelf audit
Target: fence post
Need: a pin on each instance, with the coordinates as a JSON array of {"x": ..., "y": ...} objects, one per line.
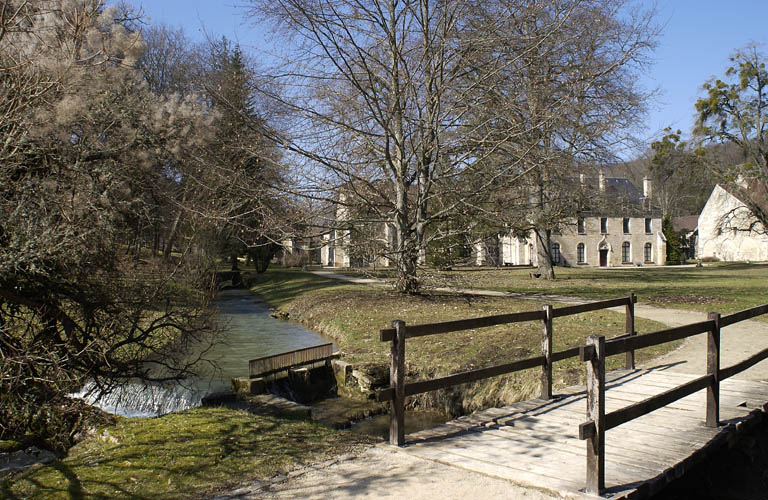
[
  {"x": 713, "y": 368},
  {"x": 397, "y": 383},
  {"x": 546, "y": 351},
  {"x": 596, "y": 414},
  {"x": 629, "y": 363}
]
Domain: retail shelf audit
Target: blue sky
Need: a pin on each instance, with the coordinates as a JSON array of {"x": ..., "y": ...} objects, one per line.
[{"x": 698, "y": 36}]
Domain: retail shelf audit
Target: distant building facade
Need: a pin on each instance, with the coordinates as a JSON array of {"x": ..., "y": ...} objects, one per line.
[
  {"x": 722, "y": 234},
  {"x": 626, "y": 233},
  {"x": 595, "y": 241}
]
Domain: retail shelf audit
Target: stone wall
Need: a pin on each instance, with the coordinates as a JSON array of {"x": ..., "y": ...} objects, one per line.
[
  {"x": 523, "y": 251},
  {"x": 728, "y": 243}
]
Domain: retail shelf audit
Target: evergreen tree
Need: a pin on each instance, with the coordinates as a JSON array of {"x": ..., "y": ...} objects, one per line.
[{"x": 674, "y": 252}]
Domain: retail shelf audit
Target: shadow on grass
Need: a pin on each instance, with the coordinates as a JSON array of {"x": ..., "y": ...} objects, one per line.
[{"x": 184, "y": 455}]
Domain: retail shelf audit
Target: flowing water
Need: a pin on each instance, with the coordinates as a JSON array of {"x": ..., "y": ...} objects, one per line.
[{"x": 249, "y": 332}]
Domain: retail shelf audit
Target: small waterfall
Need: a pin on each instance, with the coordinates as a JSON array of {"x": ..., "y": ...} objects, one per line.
[
  {"x": 138, "y": 400},
  {"x": 250, "y": 332}
]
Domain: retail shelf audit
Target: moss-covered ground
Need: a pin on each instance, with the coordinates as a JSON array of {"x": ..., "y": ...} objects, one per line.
[{"x": 192, "y": 454}]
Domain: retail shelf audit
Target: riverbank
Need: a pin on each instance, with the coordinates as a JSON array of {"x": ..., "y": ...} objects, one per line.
[
  {"x": 192, "y": 454},
  {"x": 352, "y": 314},
  {"x": 110, "y": 459}
]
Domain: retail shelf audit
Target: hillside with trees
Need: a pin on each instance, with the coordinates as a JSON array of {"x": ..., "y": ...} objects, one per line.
[{"x": 128, "y": 164}]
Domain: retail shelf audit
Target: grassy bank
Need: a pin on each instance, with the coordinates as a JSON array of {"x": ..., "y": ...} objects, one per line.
[
  {"x": 192, "y": 454},
  {"x": 353, "y": 315},
  {"x": 723, "y": 288}
]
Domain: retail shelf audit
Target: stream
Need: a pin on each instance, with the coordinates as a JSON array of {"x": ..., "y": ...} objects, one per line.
[{"x": 250, "y": 332}]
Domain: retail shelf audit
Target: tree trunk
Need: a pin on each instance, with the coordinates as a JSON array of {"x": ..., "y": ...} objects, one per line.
[
  {"x": 172, "y": 236},
  {"x": 544, "y": 252}
]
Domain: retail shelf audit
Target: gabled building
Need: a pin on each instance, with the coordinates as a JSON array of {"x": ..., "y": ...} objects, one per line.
[
  {"x": 724, "y": 232},
  {"x": 625, "y": 231}
]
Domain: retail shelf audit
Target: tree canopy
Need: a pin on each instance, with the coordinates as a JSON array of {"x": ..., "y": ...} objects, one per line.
[
  {"x": 733, "y": 111},
  {"x": 104, "y": 154},
  {"x": 422, "y": 110}
]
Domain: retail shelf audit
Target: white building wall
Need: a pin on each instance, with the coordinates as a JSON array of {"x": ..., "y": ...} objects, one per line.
[
  {"x": 728, "y": 244},
  {"x": 611, "y": 240}
]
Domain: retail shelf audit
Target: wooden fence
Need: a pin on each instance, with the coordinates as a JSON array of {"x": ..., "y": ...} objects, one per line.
[
  {"x": 398, "y": 389},
  {"x": 598, "y": 348},
  {"x": 269, "y": 365}
]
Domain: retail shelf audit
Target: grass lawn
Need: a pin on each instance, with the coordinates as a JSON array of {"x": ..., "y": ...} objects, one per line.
[
  {"x": 353, "y": 315},
  {"x": 192, "y": 454},
  {"x": 721, "y": 287}
]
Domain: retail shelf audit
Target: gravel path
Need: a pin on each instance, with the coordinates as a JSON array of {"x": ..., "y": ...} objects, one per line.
[{"x": 383, "y": 473}]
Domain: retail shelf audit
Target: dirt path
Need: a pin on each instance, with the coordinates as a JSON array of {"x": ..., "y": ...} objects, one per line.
[
  {"x": 385, "y": 473},
  {"x": 737, "y": 342}
]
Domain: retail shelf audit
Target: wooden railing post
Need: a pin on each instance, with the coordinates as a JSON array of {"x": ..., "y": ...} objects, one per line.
[
  {"x": 546, "y": 351},
  {"x": 713, "y": 369},
  {"x": 397, "y": 383},
  {"x": 629, "y": 363},
  {"x": 596, "y": 414}
]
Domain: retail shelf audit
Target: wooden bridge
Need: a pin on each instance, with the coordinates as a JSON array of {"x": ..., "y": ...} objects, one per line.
[
  {"x": 625, "y": 435},
  {"x": 306, "y": 357}
]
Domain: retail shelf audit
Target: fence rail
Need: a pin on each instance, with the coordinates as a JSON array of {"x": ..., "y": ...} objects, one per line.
[
  {"x": 268, "y": 365},
  {"x": 594, "y": 353},
  {"x": 598, "y": 348},
  {"x": 399, "y": 390}
]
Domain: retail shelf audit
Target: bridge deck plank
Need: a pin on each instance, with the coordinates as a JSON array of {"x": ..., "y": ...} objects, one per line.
[{"x": 536, "y": 443}]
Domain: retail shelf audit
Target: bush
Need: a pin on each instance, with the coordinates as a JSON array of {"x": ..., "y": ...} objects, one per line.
[{"x": 295, "y": 259}]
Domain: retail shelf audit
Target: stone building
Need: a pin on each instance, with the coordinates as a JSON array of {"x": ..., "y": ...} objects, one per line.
[
  {"x": 723, "y": 233},
  {"x": 626, "y": 232},
  {"x": 595, "y": 241}
]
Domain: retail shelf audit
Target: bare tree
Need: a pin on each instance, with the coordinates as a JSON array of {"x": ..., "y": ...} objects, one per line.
[
  {"x": 81, "y": 137},
  {"x": 421, "y": 111},
  {"x": 571, "y": 98},
  {"x": 681, "y": 181},
  {"x": 382, "y": 94},
  {"x": 734, "y": 112}
]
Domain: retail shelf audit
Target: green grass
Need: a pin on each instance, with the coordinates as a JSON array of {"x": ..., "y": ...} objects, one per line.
[
  {"x": 723, "y": 288},
  {"x": 193, "y": 454},
  {"x": 353, "y": 315}
]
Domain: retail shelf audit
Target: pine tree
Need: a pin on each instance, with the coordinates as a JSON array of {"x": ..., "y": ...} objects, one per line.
[{"x": 674, "y": 252}]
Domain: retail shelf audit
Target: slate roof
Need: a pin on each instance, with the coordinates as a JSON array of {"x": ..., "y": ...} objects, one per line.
[{"x": 686, "y": 223}]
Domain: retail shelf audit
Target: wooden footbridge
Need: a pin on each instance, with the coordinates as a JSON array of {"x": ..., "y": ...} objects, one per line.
[{"x": 625, "y": 435}]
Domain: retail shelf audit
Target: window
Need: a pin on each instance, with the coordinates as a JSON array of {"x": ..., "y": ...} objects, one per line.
[
  {"x": 555, "y": 253},
  {"x": 648, "y": 227},
  {"x": 581, "y": 228},
  {"x": 603, "y": 225},
  {"x": 648, "y": 252},
  {"x": 626, "y": 225},
  {"x": 580, "y": 253},
  {"x": 626, "y": 255}
]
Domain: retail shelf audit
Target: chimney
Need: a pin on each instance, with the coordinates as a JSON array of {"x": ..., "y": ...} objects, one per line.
[
  {"x": 601, "y": 182},
  {"x": 646, "y": 188}
]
